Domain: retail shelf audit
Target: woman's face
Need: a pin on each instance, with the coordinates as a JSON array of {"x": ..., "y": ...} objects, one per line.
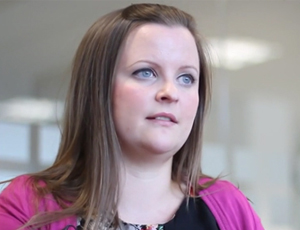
[{"x": 155, "y": 95}]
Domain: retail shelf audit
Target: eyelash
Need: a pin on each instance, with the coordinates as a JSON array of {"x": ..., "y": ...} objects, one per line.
[
  {"x": 192, "y": 79},
  {"x": 137, "y": 72}
]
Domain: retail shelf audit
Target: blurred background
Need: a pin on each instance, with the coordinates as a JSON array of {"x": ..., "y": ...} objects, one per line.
[{"x": 252, "y": 133}]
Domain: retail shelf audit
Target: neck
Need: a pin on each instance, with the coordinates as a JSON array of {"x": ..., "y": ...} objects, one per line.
[
  {"x": 142, "y": 174},
  {"x": 146, "y": 187}
]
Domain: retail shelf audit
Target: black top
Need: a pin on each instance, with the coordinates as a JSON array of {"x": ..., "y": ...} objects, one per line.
[{"x": 195, "y": 216}]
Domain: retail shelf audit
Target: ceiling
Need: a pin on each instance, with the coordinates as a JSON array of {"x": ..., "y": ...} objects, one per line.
[{"x": 38, "y": 39}]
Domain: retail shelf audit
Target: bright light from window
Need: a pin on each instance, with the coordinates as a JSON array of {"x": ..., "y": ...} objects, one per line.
[
  {"x": 237, "y": 53},
  {"x": 31, "y": 110}
]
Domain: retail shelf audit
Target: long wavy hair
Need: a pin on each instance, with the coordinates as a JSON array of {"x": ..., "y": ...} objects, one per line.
[{"x": 84, "y": 178}]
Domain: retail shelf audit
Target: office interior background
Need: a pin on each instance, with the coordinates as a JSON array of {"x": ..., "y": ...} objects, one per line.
[{"x": 252, "y": 131}]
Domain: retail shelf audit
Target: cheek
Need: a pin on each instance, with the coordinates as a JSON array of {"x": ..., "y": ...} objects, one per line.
[
  {"x": 128, "y": 101},
  {"x": 191, "y": 105}
]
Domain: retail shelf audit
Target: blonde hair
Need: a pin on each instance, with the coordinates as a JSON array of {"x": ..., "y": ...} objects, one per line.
[{"x": 85, "y": 172}]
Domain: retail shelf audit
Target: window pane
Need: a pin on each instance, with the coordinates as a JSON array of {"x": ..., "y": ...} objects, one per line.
[
  {"x": 14, "y": 144},
  {"x": 49, "y": 143}
]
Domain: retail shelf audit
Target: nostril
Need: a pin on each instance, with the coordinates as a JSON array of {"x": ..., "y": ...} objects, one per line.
[{"x": 164, "y": 98}]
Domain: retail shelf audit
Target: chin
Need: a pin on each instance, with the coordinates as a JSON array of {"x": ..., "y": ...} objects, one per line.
[{"x": 163, "y": 148}]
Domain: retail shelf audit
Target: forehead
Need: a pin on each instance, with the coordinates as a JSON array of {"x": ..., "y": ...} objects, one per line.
[{"x": 160, "y": 42}]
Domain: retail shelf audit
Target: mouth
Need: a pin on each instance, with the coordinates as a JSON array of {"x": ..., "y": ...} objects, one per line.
[{"x": 163, "y": 117}]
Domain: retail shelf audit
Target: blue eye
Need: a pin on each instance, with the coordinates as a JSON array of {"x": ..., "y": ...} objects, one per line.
[
  {"x": 144, "y": 73},
  {"x": 186, "y": 79}
]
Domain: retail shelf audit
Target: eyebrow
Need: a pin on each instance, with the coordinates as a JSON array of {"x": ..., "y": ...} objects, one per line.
[
  {"x": 158, "y": 66},
  {"x": 189, "y": 67},
  {"x": 147, "y": 61}
]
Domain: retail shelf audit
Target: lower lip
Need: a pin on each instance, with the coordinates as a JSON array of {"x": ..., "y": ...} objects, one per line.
[{"x": 165, "y": 123}]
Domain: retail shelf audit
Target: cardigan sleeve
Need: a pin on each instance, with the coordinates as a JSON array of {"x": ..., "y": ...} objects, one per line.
[
  {"x": 230, "y": 207},
  {"x": 16, "y": 204}
]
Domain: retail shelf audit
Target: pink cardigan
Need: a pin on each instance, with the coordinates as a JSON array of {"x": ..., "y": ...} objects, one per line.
[{"x": 229, "y": 206}]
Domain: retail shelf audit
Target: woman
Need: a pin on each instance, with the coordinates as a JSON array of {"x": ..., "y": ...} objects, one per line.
[{"x": 130, "y": 151}]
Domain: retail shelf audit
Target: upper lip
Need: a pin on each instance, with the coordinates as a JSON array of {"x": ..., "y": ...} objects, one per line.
[{"x": 169, "y": 115}]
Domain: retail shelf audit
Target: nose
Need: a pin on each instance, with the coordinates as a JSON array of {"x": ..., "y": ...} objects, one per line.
[{"x": 167, "y": 92}]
